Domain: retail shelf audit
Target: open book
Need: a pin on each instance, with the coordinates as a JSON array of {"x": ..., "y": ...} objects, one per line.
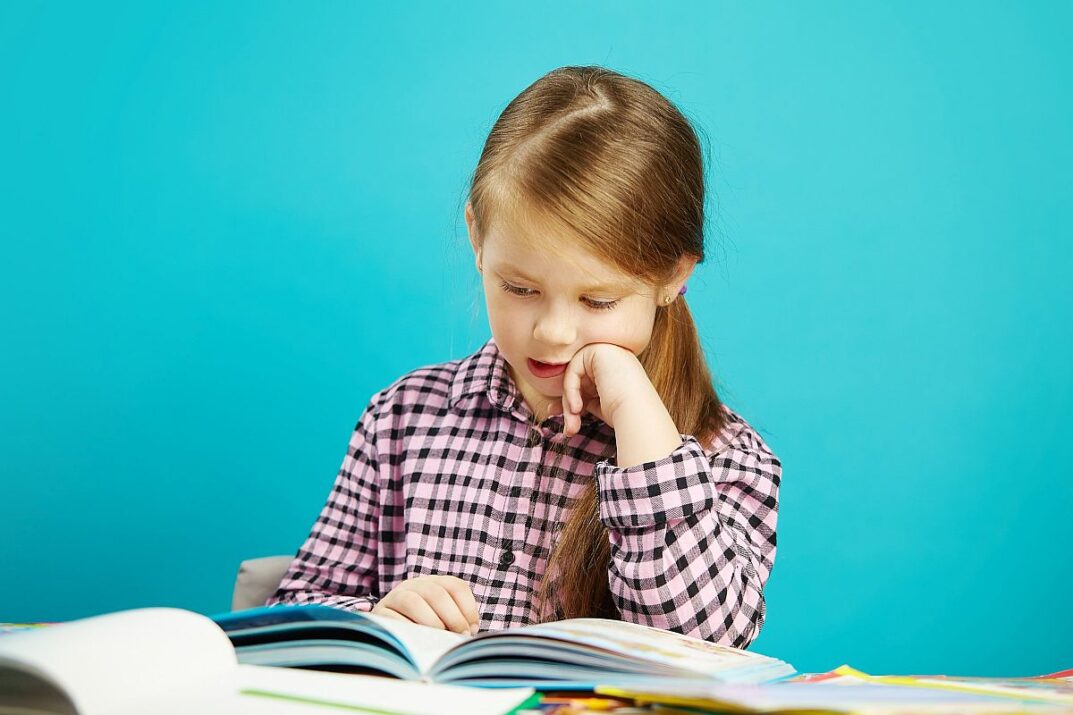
[
  {"x": 576, "y": 653},
  {"x": 168, "y": 661}
]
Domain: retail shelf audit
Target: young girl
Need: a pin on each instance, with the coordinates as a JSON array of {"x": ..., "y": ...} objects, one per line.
[{"x": 580, "y": 462}]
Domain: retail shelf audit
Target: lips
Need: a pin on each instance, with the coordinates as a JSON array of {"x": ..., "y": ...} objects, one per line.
[{"x": 543, "y": 369}]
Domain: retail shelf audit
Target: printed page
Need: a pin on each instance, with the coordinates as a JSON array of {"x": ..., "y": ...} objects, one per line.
[
  {"x": 1057, "y": 691},
  {"x": 651, "y": 644},
  {"x": 109, "y": 661},
  {"x": 824, "y": 697},
  {"x": 254, "y": 690},
  {"x": 425, "y": 644}
]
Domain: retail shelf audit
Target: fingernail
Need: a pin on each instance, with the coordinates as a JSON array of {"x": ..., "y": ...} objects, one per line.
[{"x": 473, "y": 629}]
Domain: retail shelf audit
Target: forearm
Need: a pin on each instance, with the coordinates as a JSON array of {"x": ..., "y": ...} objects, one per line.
[
  {"x": 349, "y": 603},
  {"x": 686, "y": 553},
  {"x": 644, "y": 432},
  {"x": 688, "y": 576},
  {"x": 309, "y": 580}
]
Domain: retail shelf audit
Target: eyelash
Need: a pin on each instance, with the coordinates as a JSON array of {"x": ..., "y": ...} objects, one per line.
[{"x": 594, "y": 304}]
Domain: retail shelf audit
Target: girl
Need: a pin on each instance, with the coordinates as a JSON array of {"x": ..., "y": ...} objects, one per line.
[{"x": 580, "y": 462}]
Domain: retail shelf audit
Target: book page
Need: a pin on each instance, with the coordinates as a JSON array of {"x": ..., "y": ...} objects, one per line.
[
  {"x": 107, "y": 662},
  {"x": 647, "y": 643},
  {"x": 254, "y": 690},
  {"x": 425, "y": 644},
  {"x": 829, "y": 698},
  {"x": 422, "y": 644}
]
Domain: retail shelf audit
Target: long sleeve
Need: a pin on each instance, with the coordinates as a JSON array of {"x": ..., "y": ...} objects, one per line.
[
  {"x": 337, "y": 564},
  {"x": 693, "y": 537}
]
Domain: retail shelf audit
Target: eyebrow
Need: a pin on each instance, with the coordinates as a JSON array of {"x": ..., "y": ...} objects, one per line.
[{"x": 608, "y": 287}]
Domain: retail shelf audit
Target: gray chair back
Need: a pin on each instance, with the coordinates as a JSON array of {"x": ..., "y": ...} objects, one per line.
[{"x": 257, "y": 580}]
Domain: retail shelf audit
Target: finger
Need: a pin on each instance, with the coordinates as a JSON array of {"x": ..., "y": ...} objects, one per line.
[
  {"x": 412, "y": 604},
  {"x": 389, "y": 612},
  {"x": 463, "y": 596},
  {"x": 571, "y": 384},
  {"x": 585, "y": 386},
  {"x": 577, "y": 409},
  {"x": 565, "y": 412},
  {"x": 586, "y": 390},
  {"x": 445, "y": 607},
  {"x": 569, "y": 427},
  {"x": 577, "y": 397}
]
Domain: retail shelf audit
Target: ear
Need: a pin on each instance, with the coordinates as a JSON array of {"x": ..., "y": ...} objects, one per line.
[
  {"x": 686, "y": 264},
  {"x": 471, "y": 227}
]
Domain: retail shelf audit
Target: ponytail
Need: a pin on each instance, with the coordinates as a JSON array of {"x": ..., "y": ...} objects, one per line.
[{"x": 576, "y": 579}]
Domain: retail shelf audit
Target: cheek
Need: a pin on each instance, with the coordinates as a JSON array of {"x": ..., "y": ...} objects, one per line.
[
  {"x": 638, "y": 339},
  {"x": 632, "y": 331},
  {"x": 503, "y": 316}
]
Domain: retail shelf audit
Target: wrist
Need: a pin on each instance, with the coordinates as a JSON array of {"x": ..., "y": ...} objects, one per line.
[
  {"x": 644, "y": 431},
  {"x": 636, "y": 395}
]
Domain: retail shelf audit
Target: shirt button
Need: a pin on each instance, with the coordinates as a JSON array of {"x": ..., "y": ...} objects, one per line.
[{"x": 506, "y": 558}]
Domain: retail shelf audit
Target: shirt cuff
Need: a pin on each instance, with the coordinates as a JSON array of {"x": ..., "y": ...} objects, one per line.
[{"x": 677, "y": 486}]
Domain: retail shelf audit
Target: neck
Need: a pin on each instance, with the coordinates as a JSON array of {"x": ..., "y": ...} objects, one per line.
[{"x": 538, "y": 404}]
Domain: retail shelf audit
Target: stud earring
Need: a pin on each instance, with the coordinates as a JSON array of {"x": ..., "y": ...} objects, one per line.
[{"x": 667, "y": 299}]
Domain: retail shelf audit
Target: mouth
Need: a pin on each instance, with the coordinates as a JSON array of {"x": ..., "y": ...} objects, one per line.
[{"x": 544, "y": 369}]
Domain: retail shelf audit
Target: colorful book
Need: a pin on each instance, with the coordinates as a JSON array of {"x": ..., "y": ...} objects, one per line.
[
  {"x": 168, "y": 661},
  {"x": 850, "y": 691},
  {"x": 575, "y": 654}
]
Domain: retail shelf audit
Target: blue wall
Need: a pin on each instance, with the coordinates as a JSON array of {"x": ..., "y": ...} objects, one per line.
[{"x": 225, "y": 227}]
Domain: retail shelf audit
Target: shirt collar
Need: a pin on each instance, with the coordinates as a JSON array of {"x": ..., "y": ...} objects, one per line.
[{"x": 485, "y": 372}]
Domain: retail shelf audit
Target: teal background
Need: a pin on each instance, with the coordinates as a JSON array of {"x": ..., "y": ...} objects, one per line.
[{"x": 225, "y": 226}]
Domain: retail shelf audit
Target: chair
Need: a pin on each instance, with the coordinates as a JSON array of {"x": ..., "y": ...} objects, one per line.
[{"x": 257, "y": 580}]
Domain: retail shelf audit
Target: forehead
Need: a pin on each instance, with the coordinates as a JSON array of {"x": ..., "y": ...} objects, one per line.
[{"x": 551, "y": 255}]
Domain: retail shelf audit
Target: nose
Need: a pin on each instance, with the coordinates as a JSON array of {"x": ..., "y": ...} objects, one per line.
[{"x": 555, "y": 326}]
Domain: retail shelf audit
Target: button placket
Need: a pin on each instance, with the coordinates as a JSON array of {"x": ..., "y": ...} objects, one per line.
[{"x": 521, "y": 504}]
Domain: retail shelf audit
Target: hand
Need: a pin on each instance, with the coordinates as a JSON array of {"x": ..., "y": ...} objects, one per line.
[
  {"x": 600, "y": 378},
  {"x": 439, "y": 601}
]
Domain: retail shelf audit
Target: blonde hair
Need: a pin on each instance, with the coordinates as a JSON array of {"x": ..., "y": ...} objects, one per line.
[{"x": 616, "y": 165}]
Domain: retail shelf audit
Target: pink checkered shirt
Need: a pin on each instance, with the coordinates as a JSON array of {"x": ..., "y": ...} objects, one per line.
[{"x": 446, "y": 473}]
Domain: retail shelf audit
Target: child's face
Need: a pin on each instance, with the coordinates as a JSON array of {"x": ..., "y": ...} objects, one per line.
[{"x": 546, "y": 305}]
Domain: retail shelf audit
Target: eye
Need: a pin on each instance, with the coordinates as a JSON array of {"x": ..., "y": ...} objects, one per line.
[
  {"x": 526, "y": 292},
  {"x": 515, "y": 289},
  {"x": 601, "y": 304}
]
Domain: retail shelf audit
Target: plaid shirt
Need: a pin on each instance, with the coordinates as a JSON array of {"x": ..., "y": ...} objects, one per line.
[{"x": 448, "y": 473}]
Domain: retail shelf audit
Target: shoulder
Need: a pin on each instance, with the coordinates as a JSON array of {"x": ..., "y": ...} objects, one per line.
[
  {"x": 425, "y": 389},
  {"x": 429, "y": 385},
  {"x": 432, "y": 389},
  {"x": 740, "y": 442}
]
